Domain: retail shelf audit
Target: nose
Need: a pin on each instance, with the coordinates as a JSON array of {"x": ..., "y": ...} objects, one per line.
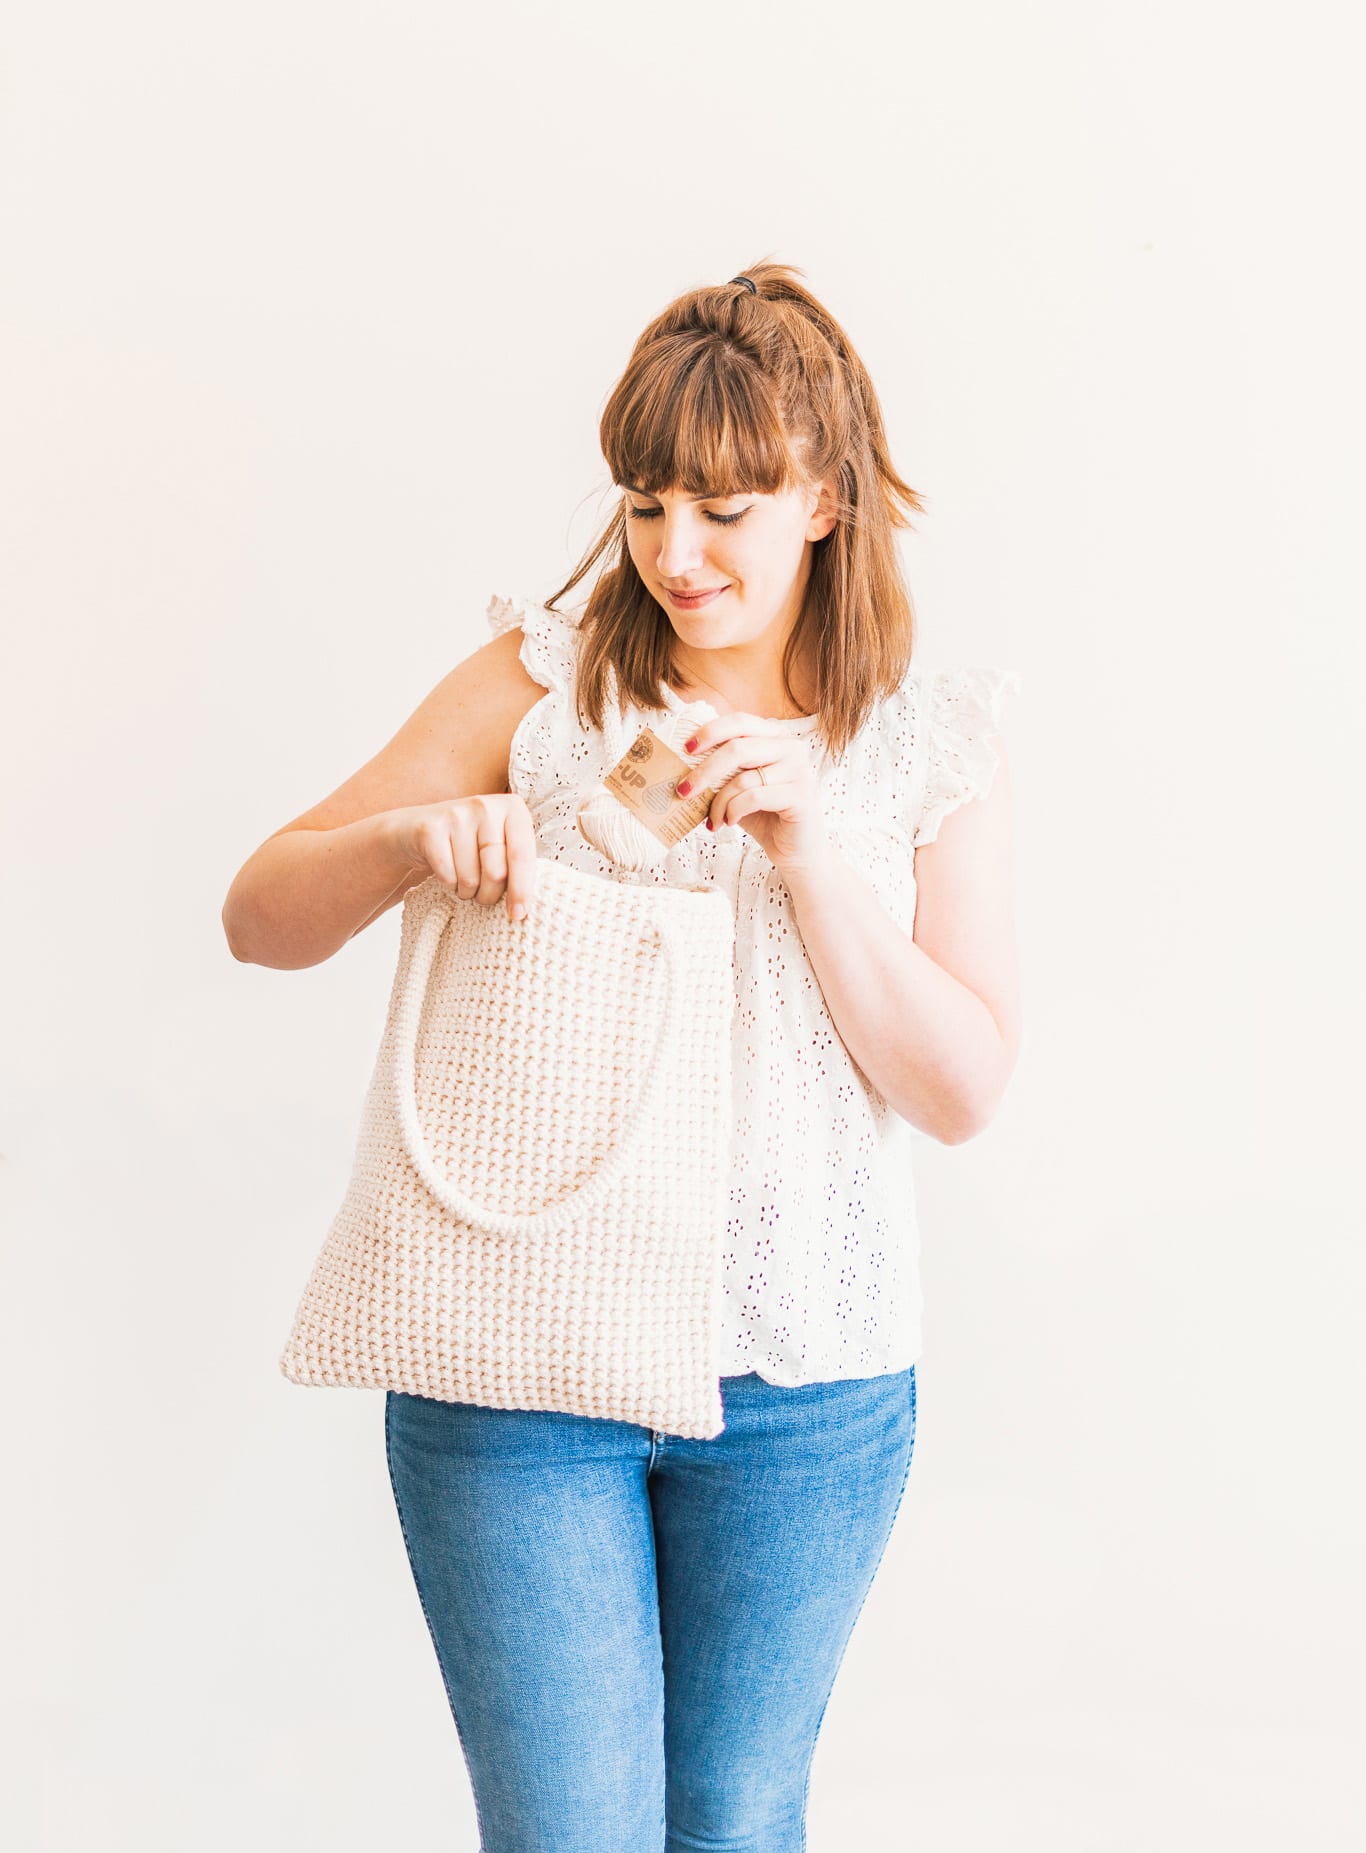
[{"x": 680, "y": 546}]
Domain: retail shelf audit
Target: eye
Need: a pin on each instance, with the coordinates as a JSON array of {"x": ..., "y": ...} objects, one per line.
[{"x": 722, "y": 521}]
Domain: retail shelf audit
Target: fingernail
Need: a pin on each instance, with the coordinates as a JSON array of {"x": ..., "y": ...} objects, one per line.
[
  {"x": 519, "y": 912},
  {"x": 710, "y": 824},
  {"x": 684, "y": 787},
  {"x": 690, "y": 746}
]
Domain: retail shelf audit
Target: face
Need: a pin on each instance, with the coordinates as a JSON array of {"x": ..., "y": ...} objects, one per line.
[{"x": 749, "y": 555}]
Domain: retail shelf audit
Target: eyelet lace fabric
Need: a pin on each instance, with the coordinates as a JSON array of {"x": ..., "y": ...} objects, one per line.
[{"x": 820, "y": 1253}]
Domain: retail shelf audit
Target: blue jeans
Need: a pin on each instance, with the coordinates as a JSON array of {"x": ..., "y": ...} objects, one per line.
[{"x": 638, "y": 1633}]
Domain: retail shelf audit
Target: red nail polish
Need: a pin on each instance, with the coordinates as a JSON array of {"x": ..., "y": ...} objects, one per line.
[
  {"x": 683, "y": 788},
  {"x": 690, "y": 746},
  {"x": 710, "y": 824}
]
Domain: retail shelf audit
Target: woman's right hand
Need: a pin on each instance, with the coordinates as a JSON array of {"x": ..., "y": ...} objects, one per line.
[{"x": 482, "y": 847}]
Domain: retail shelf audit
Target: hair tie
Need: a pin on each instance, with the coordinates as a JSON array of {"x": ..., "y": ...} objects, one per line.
[{"x": 748, "y": 283}]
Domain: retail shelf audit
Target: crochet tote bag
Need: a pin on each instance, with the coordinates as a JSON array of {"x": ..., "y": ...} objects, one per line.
[{"x": 540, "y": 1181}]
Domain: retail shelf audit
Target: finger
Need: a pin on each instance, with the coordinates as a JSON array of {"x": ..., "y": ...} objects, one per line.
[
  {"x": 467, "y": 859},
  {"x": 437, "y": 850},
  {"x": 729, "y": 761},
  {"x": 493, "y": 863},
  {"x": 747, "y": 793},
  {"x": 480, "y": 855},
  {"x": 751, "y": 799},
  {"x": 711, "y": 765},
  {"x": 707, "y": 775},
  {"x": 725, "y": 727},
  {"x": 702, "y": 769},
  {"x": 721, "y": 809},
  {"x": 521, "y": 856}
]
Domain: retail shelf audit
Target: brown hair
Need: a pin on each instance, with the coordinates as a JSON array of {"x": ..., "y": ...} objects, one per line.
[{"x": 728, "y": 391}]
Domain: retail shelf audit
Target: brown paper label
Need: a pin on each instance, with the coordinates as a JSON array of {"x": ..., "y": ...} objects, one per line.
[{"x": 645, "y": 781}]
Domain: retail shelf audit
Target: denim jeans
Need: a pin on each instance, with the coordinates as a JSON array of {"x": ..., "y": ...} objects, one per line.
[{"x": 638, "y": 1633}]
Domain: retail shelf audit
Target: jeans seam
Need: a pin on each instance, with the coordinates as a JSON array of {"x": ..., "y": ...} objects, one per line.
[
  {"x": 656, "y": 1447},
  {"x": 426, "y": 1614},
  {"x": 891, "y": 1526}
]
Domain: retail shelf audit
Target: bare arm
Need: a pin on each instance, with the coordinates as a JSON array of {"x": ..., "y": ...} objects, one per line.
[
  {"x": 306, "y": 891},
  {"x": 320, "y": 879},
  {"x": 934, "y": 1021}
]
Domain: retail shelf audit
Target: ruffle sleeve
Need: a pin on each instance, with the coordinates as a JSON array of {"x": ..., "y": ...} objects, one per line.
[
  {"x": 961, "y": 709},
  {"x": 549, "y": 638}
]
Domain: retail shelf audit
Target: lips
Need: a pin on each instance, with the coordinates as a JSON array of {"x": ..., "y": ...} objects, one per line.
[{"x": 694, "y": 601}]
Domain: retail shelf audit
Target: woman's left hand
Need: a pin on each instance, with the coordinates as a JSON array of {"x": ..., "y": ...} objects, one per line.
[{"x": 781, "y": 810}]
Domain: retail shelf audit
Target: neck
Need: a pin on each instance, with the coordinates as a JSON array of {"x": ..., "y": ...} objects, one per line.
[{"x": 774, "y": 706}]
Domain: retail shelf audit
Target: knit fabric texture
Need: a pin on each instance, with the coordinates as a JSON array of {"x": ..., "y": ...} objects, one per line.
[
  {"x": 820, "y": 1254},
  {"x": 538, "y": 1192}
]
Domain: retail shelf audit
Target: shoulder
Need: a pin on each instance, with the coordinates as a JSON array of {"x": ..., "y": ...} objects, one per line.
[
  {"x": 952, "y": 738},
  {"x": 963, "y": 832},
  {"x": 549, "y": 646}
]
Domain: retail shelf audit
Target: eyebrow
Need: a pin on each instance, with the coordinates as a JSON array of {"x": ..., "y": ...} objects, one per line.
[{"x": 724, "y": 496}]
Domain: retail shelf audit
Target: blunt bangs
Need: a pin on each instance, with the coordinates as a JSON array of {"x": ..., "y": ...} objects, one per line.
[
  {"x": 696, "y": 416},
  {"x": 733, "y": 391}
]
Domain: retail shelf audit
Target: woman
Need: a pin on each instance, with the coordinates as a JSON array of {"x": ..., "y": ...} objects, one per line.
[{"x": 639, "y": 1632}]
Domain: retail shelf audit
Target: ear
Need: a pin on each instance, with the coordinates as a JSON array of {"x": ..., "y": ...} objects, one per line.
[{"x": 823, "y": 512}]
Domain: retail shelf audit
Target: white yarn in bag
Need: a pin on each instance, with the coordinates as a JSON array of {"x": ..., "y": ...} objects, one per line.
[
  {"x": 540, "y": 1182},
  {"x": 605, "y": 822}
]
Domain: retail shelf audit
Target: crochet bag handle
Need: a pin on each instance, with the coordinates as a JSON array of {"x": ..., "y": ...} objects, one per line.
[{"x": 438, "y": 917}]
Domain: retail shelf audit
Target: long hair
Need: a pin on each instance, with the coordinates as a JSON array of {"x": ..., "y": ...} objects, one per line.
[{"x": 727, "y": 392}]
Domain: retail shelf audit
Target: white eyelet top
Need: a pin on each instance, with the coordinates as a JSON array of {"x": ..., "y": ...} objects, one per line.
[{"x": 821, "y": 1274}]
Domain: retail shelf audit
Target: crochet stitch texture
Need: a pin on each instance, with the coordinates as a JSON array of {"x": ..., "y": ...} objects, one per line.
[
  {"x": 820, "y": 1266},
  {"x": 531, "y": 1221}
]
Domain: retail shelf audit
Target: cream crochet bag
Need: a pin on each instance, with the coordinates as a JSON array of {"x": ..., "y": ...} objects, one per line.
[{"x": 540, "y": 1182}]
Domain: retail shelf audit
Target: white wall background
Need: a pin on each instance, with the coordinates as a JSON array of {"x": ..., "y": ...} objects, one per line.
[{"x": 308, "y": 314}]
